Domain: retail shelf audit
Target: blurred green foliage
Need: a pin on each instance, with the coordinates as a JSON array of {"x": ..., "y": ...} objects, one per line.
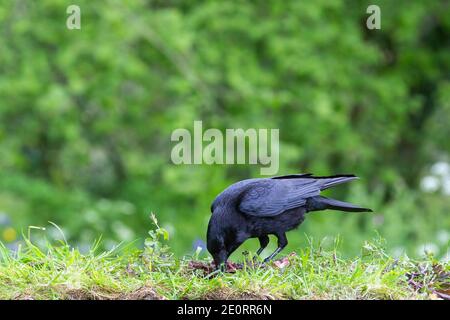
[{"x": 86, "y": 115}]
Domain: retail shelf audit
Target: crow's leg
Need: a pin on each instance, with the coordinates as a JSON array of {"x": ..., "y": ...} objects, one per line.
[
  {"x": 263, "y": 242},
  {"x": 282, "y": 242}
]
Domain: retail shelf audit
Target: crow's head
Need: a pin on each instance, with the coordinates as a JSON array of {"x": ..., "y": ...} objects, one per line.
[{"x": 216, "y": 241}]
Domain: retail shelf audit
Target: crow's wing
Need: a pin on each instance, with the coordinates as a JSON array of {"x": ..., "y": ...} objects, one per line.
[
  {"x": 270, "y": 197},
  {"x": 293, "y": 176}
]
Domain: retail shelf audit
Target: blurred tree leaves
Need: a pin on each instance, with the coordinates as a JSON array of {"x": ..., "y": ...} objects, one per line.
[{"x": 87, "y": 115}]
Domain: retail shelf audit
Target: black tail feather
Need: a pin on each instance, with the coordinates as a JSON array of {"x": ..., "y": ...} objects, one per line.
[
  {"x": 332, "y": 181},
  {"x": 322, "y": 203}
]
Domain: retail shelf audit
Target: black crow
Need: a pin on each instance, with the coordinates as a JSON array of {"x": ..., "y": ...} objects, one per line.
[{"x": 255, "y": 208}]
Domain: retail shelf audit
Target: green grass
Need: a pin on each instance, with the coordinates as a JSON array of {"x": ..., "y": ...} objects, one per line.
[{"x": 58, "y": 271}]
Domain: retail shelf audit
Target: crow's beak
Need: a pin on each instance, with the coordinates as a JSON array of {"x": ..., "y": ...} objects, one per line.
[{"x": 220, "y": 266}]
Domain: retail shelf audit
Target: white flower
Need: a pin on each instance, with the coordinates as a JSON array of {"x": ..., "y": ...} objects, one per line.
[
  {"x": 443, "y": 236},
  {"x": 430, "y": 184},
  {"x": 427, "y": 248},
  {"x": 446, "y": 186},
  {"x": 441, "y": 169}
]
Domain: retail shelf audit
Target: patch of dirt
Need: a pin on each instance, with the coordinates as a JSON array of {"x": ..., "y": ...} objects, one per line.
[
  {"x": 434, "y": 280},
  {"x": 23, "y": 296},
  {"x": 228, "y": 294},
  {"x": 210, "y": 267},
  {"x": 232, "y": 267},
  {"x": 143, "y": 293},
  {"x": 31, "y": 294},
  {"x": 82, "y": 294}
]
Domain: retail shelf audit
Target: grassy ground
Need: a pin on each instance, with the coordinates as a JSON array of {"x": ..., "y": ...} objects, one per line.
[{"x": 61, "y": 272}]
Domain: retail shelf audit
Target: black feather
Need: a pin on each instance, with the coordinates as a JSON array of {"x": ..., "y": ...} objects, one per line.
[{"x": 255, "y": 208}]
